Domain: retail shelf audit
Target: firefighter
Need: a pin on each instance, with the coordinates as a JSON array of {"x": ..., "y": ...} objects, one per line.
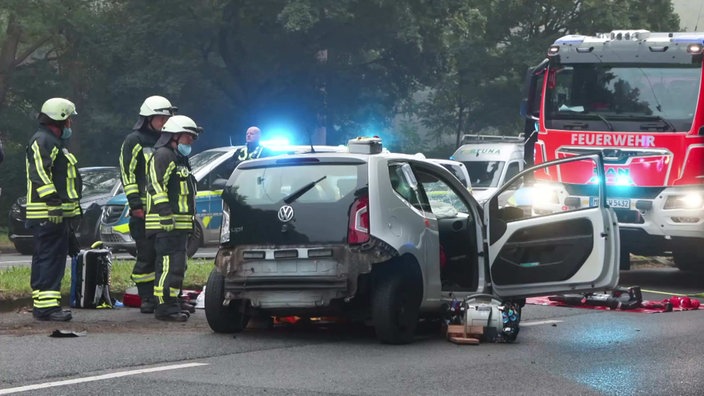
[
  {"x": 53, "y": 201},
  {"x": 136, "y": 150},
  {"x": 170, "y": 208}
]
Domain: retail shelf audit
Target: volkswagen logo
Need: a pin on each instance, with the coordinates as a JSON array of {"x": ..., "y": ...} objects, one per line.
[{"x": 285, "y": 214}]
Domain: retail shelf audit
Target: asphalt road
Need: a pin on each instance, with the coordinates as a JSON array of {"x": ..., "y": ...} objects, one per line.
[{"x": 559, "y": 351}]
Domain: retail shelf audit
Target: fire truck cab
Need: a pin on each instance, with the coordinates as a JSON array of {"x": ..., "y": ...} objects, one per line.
[{"x": 635, "y": 97}]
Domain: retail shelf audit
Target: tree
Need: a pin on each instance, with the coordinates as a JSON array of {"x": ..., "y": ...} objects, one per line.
[{"x": 484, "y": 88}]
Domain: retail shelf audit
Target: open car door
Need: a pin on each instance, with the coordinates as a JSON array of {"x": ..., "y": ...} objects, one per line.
[{"x": 541, "y": 240}]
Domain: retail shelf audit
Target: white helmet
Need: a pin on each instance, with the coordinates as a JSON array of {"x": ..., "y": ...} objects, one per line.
[
  {"x": 156, "y": 105},
  {"x": 181, "y": 124},
  {"x": 59, "y": 109}
]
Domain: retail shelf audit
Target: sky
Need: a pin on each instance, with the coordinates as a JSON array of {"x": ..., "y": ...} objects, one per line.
[{"x": 691, "y": 14}]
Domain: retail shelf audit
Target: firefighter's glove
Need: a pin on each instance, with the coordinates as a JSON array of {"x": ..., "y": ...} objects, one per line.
[
  {"x": 56, "y": 215},
  {"x": 139, "y": 212},
  {"x": 167, "y": 223}
]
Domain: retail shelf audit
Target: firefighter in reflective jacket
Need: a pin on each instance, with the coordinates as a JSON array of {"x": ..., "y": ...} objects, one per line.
[
  {"x": 136, "y": 151},
  {"x": 53, "y": 201},
  {"x": 170, "y": 208}
]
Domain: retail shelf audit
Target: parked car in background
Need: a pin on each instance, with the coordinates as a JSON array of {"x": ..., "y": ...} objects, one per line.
[
  {"x": 211, "y": 168},
  {"x": 359, "y": 235},
  {"x": 100, "y": 183}
]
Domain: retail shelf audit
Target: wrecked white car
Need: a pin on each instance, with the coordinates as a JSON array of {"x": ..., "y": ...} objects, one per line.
[{"x": 390, "y": 238}]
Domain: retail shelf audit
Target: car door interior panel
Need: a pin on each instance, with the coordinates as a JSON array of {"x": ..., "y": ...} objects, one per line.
[{"x": 544, "y": 253}]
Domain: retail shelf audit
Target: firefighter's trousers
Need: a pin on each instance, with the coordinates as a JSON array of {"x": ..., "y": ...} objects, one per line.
[
  {"x": 48, "y": 263},
  {"x": 170, "y": 269},
  {"x": 143, "y": 272}
]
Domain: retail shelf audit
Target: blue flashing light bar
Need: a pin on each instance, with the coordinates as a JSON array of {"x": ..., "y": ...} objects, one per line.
[{"x": 689, "y": 38}]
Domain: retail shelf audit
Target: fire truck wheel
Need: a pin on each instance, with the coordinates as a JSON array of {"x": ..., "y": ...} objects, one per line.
[{"x": 687, "y": 260}]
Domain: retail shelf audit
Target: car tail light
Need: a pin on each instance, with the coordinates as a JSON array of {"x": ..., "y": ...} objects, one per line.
[{"x": 358, "y": 228}]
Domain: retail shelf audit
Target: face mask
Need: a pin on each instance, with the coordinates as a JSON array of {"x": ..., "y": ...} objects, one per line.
[
  {"x": 184, "y": 149},
  {"x": 66, "y": 133}
]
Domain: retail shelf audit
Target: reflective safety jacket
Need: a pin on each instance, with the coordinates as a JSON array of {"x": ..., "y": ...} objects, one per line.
[
  {"x": 52, "y": 177},
  {"x": 250, "y": 151},
  {"x": 136, "y": 150},
  {"x": 171, "y": 191}
]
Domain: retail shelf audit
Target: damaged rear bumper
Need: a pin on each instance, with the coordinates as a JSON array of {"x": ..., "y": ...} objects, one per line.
[{"x": 290, "y": 278}]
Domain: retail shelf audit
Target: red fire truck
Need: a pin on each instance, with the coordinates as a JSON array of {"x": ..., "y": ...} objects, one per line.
[{"x": 636, "y": 97}]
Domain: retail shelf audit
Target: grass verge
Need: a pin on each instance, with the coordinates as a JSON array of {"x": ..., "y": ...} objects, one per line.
[{"x": 15, "y": 281}]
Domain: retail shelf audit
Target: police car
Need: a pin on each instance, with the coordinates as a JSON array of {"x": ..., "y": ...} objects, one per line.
[{"x": 360, "y": 235}]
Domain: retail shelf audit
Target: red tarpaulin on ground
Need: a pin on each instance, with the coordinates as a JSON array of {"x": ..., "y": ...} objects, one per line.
[{"x": 677, "y": 304}]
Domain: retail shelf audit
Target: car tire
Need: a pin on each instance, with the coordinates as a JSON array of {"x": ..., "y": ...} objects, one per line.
[
  {"x": 222, "y": 319},
  {"x": 195, "y": 240},
  {"x": 688, "y": 261},
  {"x": 24, "y": 247},
  {"x": 395, "y": 309}
]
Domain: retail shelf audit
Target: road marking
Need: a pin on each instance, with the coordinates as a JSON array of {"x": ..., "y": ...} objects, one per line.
[
  {"x": 98, "y": 378},
  {"x": 538, "y": 322}
]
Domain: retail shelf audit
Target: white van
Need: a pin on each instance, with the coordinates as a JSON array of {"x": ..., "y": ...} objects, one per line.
[{"x": 491, "y": 160}]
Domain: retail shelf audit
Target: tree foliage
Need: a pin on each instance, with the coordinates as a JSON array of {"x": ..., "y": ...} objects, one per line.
[{"x": 348, "y": 66}]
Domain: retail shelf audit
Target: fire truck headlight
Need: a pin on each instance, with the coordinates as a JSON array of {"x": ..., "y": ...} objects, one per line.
[
  {"x": 695, "y": 49},
  {"x": 693, "y": 200}
]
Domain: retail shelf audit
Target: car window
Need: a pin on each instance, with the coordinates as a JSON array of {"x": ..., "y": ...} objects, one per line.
[
  {"x": 444, "y": 200},
  {"x": 203, "y": 158},
  {"x": 484, "y": 173},
  {"x": 99, "y": 181},
  {"x": 222, "y": 171},
  {"x": 263, "y": 186},
  {"x": 401, "y": 185},
  {"x": 535, "y": 195},
  {"x": 512, "y": 170},
  {"x": 458, "y": 172}
]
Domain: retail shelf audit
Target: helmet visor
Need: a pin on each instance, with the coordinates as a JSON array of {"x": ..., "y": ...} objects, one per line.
[
  {"x": 171, "y": 110},
  {"x": 193, "y": 131}
]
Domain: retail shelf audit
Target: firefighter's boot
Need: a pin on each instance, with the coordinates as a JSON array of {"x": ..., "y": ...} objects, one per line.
[
  {"x": 170, "y": 311},
  {"x": 146, "y": 294},
  {"x": 186, "y": 306}
]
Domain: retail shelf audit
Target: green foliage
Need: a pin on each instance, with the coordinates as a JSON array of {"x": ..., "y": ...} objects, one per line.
[
  {"x": 483, "y": 88},
  {"x": 14, "y": 281},
  {"x": 349, "y": 66}
]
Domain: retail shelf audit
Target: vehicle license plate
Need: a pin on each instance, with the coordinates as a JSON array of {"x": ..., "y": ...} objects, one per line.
[{"x": 622, "y": 203}]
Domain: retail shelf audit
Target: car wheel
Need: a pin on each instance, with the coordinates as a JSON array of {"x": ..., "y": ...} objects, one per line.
[
  {"x": 395, "y": 309},
  {"x": 195, "y": 240},
  {"x": 687, "y": 260},
  {"x": 24, "y": 247},
  {"x": 220, "y": 318}
]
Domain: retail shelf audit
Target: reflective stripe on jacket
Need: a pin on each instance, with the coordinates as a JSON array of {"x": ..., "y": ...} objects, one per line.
[
  {"x": 136, "y": 151},
  {"x": 171, "y": 191},
  {"x": 52, "y": 177}
]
